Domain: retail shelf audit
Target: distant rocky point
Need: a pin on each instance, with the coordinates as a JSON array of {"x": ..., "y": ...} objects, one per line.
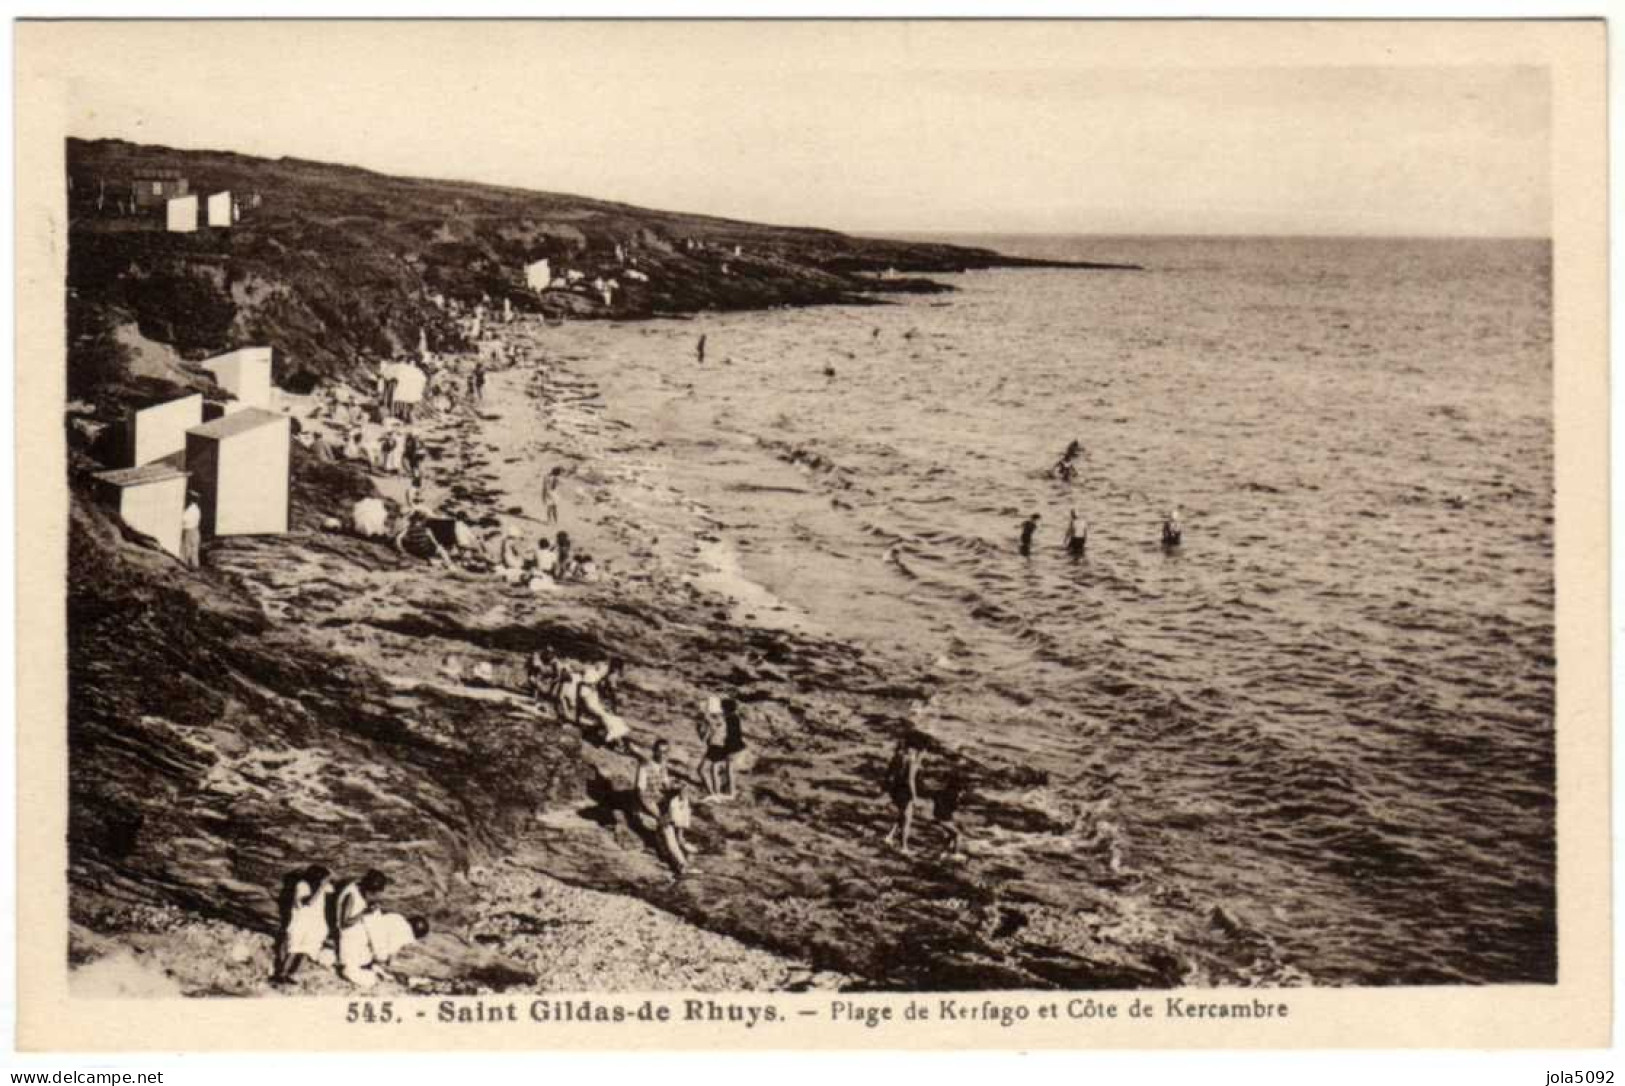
[{"x": 334, "y": 263}]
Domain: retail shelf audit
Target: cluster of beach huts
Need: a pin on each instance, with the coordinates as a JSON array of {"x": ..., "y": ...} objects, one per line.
[
  {"x": 184, "y": 211},
  {"x": 233, "y": 455},
  {"x": 540, "y": 277}
]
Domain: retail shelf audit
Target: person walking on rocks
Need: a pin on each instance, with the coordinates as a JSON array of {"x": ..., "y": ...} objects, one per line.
[
  {"x": 903, "y": 785},
  {"x": 412, "y": 452}
]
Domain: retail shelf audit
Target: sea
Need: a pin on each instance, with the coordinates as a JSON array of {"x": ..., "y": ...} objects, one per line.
[{"x": 1328, "y": 715}]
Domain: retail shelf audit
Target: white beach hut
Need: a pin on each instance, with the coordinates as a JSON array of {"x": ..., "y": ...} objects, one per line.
[
  {"x": 149, "y": 499},
  {"x": 245, "y": 373},
  {"x": 219, "y": 209},
  {"x": 239, "y": 466},
  {"x": 180, "y": 215},
  {"x": 155, "y": 430},
  {"x": 409, "y": 383}
]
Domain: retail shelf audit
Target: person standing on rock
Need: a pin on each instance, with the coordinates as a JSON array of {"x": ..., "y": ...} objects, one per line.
[
  {"x": 304, "y": 922},
  {"x": 724, "y": 737},
  {"x": 903, "y": 785},
  {"x": 550, "y": 493},
  {"x": 699, "y": 351},
  {"x": 191, "y": 532}
]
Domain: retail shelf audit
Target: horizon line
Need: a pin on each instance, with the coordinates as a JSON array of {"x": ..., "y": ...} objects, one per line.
[{"x": 1187, "y": 235}]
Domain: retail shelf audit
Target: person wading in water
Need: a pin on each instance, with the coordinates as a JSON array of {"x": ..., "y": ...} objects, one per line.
[{"x": 1028, "y": 527}]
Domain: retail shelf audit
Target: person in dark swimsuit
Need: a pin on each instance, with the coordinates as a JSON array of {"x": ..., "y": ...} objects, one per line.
[
  {"x": 562, "y": 545},
  {"x": 724, "y": 738},
  {"x": 1028, "y": 527},
  {"x": 947, "y": 805},
  {"x": 903, "y": 785}
]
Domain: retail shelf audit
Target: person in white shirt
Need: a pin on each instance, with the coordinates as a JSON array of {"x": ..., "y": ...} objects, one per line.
[
  {"x": 304, "y": 928},
  {"x": 192, "y": 532}
]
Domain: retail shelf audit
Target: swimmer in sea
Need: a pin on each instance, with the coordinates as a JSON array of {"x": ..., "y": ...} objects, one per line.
[
  {"x": 1065, "y": 468},
  {"x": 1028, "y": 527},
  {"x": 1173, "y": 532}
]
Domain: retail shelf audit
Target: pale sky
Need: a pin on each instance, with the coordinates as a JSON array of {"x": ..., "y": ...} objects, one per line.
[{"x": 862, "y": 127}]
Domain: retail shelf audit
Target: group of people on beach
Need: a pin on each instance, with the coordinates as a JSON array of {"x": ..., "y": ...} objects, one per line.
[
  {"x": 340, "y": 924},
  {"x": 391, "y": 449},
  {"x": 583, "y": 692}
]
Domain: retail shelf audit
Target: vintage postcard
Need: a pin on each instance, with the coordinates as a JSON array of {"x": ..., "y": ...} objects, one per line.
[{"x": 812, "y": 535}]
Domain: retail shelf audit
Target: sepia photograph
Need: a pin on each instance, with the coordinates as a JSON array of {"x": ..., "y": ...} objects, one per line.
[{"x": 553, "y": 512}]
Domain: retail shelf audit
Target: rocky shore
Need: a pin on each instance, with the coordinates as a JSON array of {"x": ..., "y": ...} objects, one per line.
[{"x": 356, "y": 739}]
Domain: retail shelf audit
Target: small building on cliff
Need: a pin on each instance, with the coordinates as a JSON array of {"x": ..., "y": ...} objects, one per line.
[
  {"x": 150, "y": 499},
  {"x": 538, "y": 275},
  {"x": 245, "y": 373},
  {"x": 156, "y": 429},
  {"x": 239, "y": 466},
  {"x": 180, "y": 215},
  {"x": 155, "y": 188},
  {"x": 221, "y": 209}
]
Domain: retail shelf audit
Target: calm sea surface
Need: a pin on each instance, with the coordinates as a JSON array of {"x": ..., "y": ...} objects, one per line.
[{"x": 1330, "y": 713}]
